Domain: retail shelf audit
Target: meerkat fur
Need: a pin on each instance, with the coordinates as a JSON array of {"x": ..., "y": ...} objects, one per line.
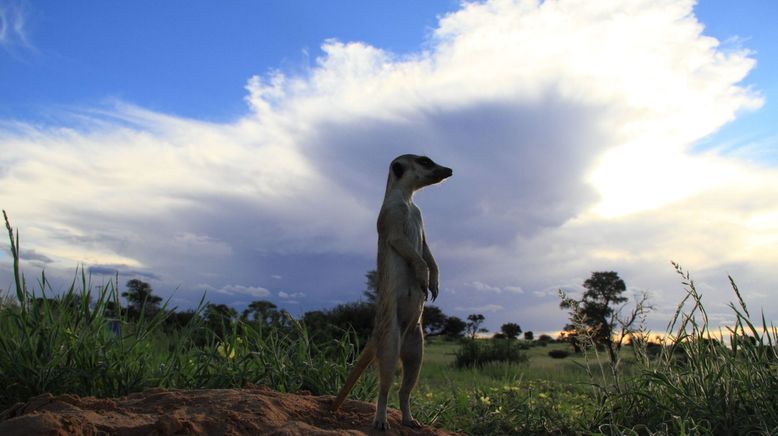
[{"x": 407, "y": 274}]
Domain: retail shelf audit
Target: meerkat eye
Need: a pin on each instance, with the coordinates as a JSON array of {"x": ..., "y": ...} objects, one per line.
[{"x": 425, "y": 162}]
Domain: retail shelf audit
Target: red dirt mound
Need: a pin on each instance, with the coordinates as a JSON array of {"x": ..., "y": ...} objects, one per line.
[{"x": 249, "y": 411}]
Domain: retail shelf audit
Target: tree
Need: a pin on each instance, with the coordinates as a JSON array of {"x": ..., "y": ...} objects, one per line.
[
  {"x": 454, "y": 327},
  {"x": 262, "y": 311},
  {"x": 511, "y": 330},
  {"x": 598, "y": 312},
  {"x": 528, "y": 336},
  {"x": 474, "y": 321},
  {"x": 326, "y": 325},
  {"x": 371, "y": 293},
  {"x": 139, "y": 297},
  {"x": 433, "y": 320},
  {"x": 569, "y": 335}
]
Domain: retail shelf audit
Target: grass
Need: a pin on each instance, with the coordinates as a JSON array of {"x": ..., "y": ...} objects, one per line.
[
  {"x": 63, "y": 344},
  {"x": 693, "y": 385}
]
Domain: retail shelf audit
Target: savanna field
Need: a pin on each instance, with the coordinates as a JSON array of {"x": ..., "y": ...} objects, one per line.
[{"x": 82, "y": 342}]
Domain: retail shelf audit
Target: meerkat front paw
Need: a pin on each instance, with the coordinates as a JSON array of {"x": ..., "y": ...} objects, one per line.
[{"x": 422, "y": 273}]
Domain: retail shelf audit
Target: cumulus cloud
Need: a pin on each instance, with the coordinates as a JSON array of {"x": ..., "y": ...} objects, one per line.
[{"x": 569, "y": 125}]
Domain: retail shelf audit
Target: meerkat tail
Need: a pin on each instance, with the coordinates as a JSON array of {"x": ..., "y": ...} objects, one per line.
[{"x": 364, "y": 359}]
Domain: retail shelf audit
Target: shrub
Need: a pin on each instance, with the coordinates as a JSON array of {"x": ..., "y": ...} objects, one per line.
[
  {"x": 558, "y": 354},
  {"x": 477, "y": 353}
]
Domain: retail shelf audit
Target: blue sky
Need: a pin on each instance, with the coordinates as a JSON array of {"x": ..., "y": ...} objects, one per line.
[
  {"x": 187, "y": 58},
  {"x": 242, "y": 150}
]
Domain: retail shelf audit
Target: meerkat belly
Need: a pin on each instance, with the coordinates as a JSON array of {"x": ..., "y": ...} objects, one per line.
[{"x": 404, "y": 286}]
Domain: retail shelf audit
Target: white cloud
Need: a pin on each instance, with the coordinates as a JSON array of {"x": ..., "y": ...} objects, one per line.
[
  {"x": 13, "y": 28},
  {"x": 478, "y": 309},
  {"x": 569, "y": 126},
  {"x": 253, "y": 291},
  {"x": 483, "y": 287},
  {"x": 287, "y": 295}
]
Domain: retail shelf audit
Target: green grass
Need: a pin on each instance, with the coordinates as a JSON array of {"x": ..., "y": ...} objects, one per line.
[
  {"x": 63, "y": 344},
  {"x": 694, "y": 385},
  {"x": 541, "y": 395}
]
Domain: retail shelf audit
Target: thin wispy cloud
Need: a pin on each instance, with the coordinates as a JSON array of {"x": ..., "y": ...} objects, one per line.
[
  {"x": 14, "y": 39},
  {"x": 570, "y": 134}
]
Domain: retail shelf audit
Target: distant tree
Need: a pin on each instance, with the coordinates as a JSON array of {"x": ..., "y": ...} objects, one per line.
[
  {"x": 545, "y": 338},
  {"x": 570, "y": 335},
  {"x": 139, "y": 297},
  {"x": 219, "y": 318},
  {"x": 433, "y": 320},
  {"x": 326, "y": 325},
  {"x": 598, "y": 311},
  {"x": 454, "y": 327},
  {"x": 528, "y": 336},
  {"x": 511, "y": 330},
  {"x": 474, "y": 322},
  {"x": 262, "y": 311},
  {"x": 371, "y": 293},
  {"x": 603, "y": 291}
]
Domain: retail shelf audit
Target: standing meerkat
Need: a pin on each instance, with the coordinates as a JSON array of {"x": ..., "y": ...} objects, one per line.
[{"x": 406, "y": 272}]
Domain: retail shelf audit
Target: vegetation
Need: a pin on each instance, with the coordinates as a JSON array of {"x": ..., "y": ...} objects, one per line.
[
  {"x": 596, "y": 318},
  {"x": 454, "y": 327},
  {"x": 698, "y": 381},
  {"x": 473, "y": 325},
  {"x": 701, "y": 381},
  {"x": 477, "y": 353},
  {"x": 140, "y": 299},
  {"x": 65, "y": 344},
  {"x": 510, "y": 330},
  {"x": 558, "y": 354}
]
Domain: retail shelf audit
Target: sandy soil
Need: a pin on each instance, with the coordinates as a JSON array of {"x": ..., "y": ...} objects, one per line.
[{"x": 248, "y": 411}]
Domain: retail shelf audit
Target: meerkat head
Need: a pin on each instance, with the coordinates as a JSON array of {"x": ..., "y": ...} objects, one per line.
[{"x": 416, "y": 172}]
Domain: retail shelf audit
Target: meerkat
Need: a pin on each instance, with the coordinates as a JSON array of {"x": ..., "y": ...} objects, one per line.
[{"x": 407, "y": 275}]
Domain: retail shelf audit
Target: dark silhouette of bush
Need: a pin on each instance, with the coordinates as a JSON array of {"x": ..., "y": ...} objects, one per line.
[
  {"x": 558, "y": 354},
  {"x": 475, "y": 353}
]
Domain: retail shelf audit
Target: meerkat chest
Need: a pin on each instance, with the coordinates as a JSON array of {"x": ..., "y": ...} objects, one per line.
[{"x": 414, "y": 227}]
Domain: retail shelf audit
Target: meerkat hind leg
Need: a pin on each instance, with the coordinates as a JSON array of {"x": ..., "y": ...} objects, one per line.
[
  {"x": 411, "y": 353},
  {"x": 388, "y": 354}
]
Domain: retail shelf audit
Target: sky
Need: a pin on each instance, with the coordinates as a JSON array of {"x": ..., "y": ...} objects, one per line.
[{"x": 241, "y": 149}]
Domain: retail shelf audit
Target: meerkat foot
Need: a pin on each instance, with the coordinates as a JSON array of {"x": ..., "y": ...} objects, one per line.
[
  {"x": 381, "y": 424},
  {"x": 411, "y": 423}
]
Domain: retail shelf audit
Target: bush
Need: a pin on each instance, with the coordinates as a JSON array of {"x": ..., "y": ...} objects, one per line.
[
  {"x": 558, "y": 354},
  {"x": 477, "y": 353}
]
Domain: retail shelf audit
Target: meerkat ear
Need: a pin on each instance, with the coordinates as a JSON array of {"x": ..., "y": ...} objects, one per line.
[{"x": 398, "y": 169}]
